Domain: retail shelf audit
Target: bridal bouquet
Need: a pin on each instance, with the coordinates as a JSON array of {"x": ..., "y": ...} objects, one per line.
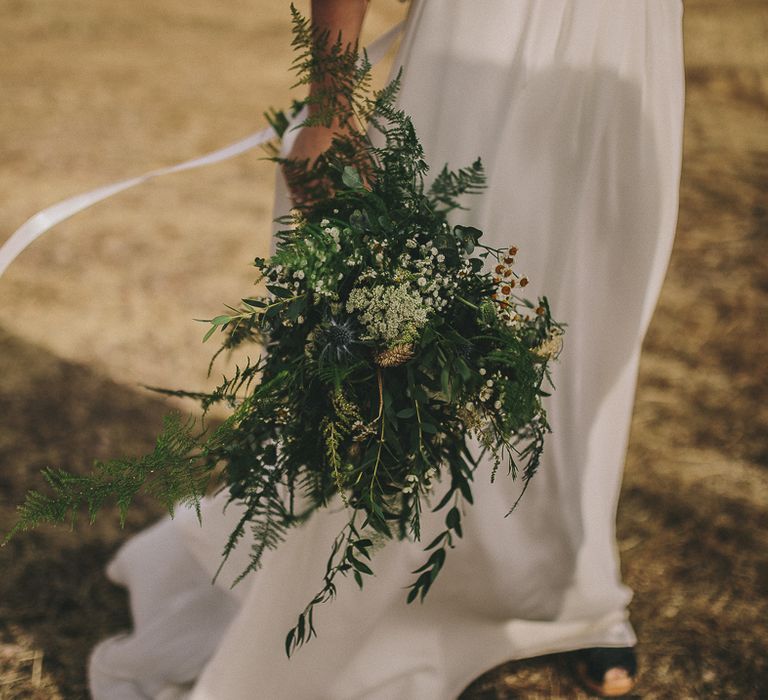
[{"x": 389, "y": 339}]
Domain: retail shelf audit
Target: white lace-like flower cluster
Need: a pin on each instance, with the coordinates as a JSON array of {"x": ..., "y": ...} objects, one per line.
[
  {"x": 397, "y": 305},
  {"x": 390, "y": 313}
]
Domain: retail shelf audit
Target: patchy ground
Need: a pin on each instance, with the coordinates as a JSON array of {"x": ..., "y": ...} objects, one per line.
[{"x": 96, "y": 91}]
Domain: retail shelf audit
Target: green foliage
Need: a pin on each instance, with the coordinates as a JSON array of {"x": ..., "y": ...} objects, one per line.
[
  {"x": 450, "y": 185},
  {"x": 171, "y": 473},
  {"x": 389, "y": 339}
]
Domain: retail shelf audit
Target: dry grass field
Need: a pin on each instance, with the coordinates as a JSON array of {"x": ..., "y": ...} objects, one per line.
[{"x": 96, "y": 91}]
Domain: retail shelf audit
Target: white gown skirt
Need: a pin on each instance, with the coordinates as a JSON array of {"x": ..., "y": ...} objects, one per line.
[{"x": 575, "y": 107}]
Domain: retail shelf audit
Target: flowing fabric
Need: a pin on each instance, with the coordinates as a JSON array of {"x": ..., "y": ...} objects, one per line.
[{"x": 576, "y": 110}]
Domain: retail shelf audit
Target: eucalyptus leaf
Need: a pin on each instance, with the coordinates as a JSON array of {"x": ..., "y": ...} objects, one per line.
[
  {"x": 280, "y": 292},
  {"x": 351, "y": 178}
]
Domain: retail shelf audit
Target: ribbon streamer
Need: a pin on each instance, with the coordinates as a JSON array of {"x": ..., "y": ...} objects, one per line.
[{"x": 49, "y": 217}]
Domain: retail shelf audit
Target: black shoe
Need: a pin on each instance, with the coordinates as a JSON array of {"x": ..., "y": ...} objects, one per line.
[{"x": 608, "y": 671}]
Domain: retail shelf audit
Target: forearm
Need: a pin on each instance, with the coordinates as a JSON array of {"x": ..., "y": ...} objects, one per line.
[{"x": 340, "y": 18}]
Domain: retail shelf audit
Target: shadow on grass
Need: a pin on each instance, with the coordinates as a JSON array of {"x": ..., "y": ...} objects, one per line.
[
  {"x": 53, "y": 594},
  {"x": 697, "y": 560}
]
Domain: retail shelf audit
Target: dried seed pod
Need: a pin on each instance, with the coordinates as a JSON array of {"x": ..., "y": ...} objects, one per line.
[{"x": 394, "y": 356}]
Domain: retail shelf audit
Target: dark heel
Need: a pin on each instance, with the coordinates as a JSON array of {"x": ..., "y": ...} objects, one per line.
[{"x": 608, "y": 671}]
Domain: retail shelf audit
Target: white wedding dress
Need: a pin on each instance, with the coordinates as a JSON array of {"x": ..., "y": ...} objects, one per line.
[{"x": 576, "y": 109}]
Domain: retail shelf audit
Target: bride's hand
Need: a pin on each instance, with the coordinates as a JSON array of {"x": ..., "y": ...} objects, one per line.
[
  {"x": 338, "y": 19},
  {"x": 310, "y": 142}
]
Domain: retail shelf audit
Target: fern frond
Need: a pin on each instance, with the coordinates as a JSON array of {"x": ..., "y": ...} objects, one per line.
[
  {"x": 449, "y": 185},
  {"x": 171, "y": 473}
]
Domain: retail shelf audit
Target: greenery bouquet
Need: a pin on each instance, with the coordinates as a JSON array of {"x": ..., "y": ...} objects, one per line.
[{"x": 390, "y": 338}]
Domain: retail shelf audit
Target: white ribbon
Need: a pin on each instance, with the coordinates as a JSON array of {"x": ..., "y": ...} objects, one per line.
[{"x": 44, "y": 220}]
